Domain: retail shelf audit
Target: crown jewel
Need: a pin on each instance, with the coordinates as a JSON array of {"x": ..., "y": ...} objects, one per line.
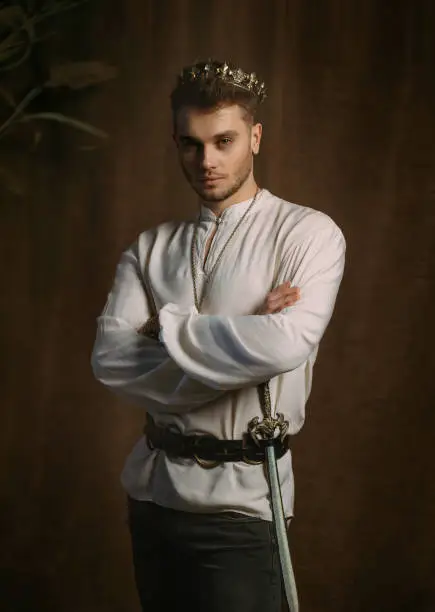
[{"x": 225, "y": 72}]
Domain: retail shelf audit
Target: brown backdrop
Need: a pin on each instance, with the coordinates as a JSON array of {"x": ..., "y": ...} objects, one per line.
[{"x": 349, "y": 129}]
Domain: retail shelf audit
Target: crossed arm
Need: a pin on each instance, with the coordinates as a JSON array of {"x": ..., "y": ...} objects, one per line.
[
  {"x": 203, "y": 356},
  {"x": 276, "y": 300}
]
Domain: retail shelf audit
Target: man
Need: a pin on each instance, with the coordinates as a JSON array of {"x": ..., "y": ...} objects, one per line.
[{"x": 200, "y": 315}]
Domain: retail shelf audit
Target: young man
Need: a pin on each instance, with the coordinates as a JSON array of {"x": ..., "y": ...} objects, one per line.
[{"x": 201, "y": 313}]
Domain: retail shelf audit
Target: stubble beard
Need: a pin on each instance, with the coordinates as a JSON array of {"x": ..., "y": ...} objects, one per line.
[{"x": 225, "y": 193}]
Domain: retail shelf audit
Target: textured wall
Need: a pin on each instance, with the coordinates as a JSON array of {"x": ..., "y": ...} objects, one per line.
[{"x": 349, "y": 129}]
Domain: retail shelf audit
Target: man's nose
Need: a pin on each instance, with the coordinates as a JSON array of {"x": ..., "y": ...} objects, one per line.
[{"x": 208, "y": 158}]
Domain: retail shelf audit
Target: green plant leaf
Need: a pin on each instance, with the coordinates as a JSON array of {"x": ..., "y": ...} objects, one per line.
[
  {"x": 77, "y": 75},
  {"x": 16, "y": 36},
  {"x": 31, "y": 95},
  {"x": 71, "y": 121}
]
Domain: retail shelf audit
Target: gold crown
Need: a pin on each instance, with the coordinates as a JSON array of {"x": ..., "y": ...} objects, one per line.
[{"x": 226, "y": 73}]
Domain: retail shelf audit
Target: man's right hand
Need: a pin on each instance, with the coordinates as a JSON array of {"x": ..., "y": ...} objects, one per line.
[{"x": 282, "y": 297}]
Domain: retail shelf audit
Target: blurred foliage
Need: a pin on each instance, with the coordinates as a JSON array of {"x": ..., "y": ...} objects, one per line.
[{"x": 23, "y": 25}]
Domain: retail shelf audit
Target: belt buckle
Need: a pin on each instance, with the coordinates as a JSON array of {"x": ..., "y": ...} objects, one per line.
[{"x": 207, "y": 464}]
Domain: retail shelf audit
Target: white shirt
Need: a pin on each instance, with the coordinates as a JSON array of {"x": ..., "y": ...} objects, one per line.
[{"x": 202, "y": 377}]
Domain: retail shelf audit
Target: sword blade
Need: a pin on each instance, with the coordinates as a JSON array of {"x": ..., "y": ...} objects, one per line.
[{"x": 281, "y": 531}]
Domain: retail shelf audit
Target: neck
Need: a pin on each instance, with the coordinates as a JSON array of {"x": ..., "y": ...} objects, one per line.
[{"x": 246, "y": 191}]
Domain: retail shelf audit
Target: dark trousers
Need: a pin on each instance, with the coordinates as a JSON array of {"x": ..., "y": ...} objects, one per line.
[{"x": 223, "y": 562}]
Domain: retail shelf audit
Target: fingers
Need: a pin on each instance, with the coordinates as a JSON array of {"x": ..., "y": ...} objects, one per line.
[
  {"x": 280, "y": 298},
  {"x": 288, "y": 293},
  {"x": 281, "y": 288},
  {"x": 283, "y": 304},
  {"x": 282, "y": 293}
]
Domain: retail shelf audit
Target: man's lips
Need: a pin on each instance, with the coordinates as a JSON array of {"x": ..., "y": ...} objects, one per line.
[{"x": 210, "y": 179}]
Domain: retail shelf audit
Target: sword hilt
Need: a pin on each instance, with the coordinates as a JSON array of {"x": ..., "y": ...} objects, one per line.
[{"x": 268, "y": 428}]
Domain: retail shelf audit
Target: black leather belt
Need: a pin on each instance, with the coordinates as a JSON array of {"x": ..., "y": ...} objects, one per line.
[{"x": 209, "y": 451}]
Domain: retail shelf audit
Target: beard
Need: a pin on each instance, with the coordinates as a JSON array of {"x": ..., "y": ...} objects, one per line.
[{"x": 225, "y": 192}]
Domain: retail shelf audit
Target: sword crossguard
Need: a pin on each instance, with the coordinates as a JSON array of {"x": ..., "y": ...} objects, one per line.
[{"x": 268, "y": 428}]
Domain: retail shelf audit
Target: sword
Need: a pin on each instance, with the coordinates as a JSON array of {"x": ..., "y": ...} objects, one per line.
[
  {"x": 268, "y": 429},
  {"x": 281, "y": 531}
]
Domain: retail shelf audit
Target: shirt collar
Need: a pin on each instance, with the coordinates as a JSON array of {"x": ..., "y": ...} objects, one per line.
[{"x": 233, "y": 212}]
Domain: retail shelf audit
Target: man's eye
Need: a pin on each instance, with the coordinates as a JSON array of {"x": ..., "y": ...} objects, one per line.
[{"x": 226, "y": 141}]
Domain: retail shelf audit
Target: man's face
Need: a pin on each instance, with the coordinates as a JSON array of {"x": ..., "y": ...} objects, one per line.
[{"x": 215, "y": 150}]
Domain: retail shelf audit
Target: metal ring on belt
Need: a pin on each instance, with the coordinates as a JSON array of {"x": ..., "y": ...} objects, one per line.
[{"x": 209, "y": 451}]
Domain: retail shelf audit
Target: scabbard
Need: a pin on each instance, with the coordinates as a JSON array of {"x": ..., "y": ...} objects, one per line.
[{"x": 281, "y": 531}]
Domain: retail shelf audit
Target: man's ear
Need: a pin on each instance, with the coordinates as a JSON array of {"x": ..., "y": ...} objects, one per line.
[{"x": 257, "y": 131}]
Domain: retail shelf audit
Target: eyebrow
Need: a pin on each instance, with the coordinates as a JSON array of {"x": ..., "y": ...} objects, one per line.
[{"x": 226, "y": 134}]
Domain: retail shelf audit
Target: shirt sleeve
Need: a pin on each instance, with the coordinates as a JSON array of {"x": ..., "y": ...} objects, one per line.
[
  {"x": 131, "y": 364},
  {"x": 231, "y": 352}
]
